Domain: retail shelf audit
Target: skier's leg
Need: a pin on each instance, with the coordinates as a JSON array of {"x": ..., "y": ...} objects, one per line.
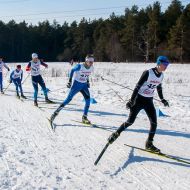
[
  {"x": 16, "y": 85},
  {"x": 74, "y": 90},
  {"x": 20, "y": 87},
  {"x": 151, "y": 112},
  {"x": 35, "y": 85},
  {"x": 43, "y": 86},
  {"x": 86, "y": 94},
  {"x": 132, "y": 116},
  {"x": 1, "y": 81}
]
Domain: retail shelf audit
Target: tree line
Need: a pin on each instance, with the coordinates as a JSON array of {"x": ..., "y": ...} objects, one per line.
[{"x": 137, "y": 35}]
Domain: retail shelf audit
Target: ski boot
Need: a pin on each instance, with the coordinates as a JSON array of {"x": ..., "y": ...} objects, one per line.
[
  {"x": 53, "y": 116},
  {"x": 150, "y": 147},
  {"x": 17, "y": 95},
  {"x": 23, "y": 96},
  {"x": 113, "y": 137},
  {"x": 48, "y": 100},
  {"x": 85, "y": 120},
  {"x": 35, "y": 103},
  {"x": 2, "y": 92}
]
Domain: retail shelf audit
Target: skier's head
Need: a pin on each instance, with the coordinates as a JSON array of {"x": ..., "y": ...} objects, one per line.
[
  {"x": 18, "y": 67},
  {"x": 89, "y": 60},
  {"x": 34, "y": 56},
  {"x": 162, "y": 63},
  {"x": 162, "y": 60}
]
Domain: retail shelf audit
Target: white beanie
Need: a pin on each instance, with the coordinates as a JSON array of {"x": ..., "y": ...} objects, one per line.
[
  {"x": 89, "y": 59},
  {"x": 34, "y": 55}
]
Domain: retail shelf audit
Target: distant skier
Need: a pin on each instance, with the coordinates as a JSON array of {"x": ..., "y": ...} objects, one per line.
[
  {"x": 142, "y": 98},
  {"x": 79, "y": 82},
  {"x": 34, "y": 67},
  {"x": 2, "y": 64},
  {"x": 16, "y": 77}
]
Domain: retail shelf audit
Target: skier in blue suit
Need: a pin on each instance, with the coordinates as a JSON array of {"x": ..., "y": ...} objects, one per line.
[
  {"x": 16, "y": 77},
  {"x": 79, "y": 82}
]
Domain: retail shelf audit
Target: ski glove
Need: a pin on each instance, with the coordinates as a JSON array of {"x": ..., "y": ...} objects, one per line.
[
  {"x": 69, "y": 85},
  {"x": 113, "y": 137},
  {"x": 165, "y": 102},
  {"x": 130, "y": 104},
  {"x": 8, "y": 69}
]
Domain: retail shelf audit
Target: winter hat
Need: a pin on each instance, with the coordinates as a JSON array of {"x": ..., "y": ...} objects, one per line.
[
  {"x": 34, "y": 55},
  {"x": 162, "y": 60}
]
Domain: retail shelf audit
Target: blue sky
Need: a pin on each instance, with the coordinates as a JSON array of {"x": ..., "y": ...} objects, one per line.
[{"x": 33, "y": 11}]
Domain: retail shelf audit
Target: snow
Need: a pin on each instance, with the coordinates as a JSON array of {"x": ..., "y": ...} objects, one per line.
[{"x": 34, "y": 157}]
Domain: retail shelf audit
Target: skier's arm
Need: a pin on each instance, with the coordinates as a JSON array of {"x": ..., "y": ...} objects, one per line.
[
  {"x": 21, "y": 76},
  {"x": 5, "y": 65},
  {"x": 44, "y": 64},
  {"x": 160, "y": 94},
  {"x": 75, "y": 68},
  {"x": 159, "y": 90},
  {"x": 11, "y": 77},
  {"x": 143, "y": 78},
  {"x": 28, "y": 67}
]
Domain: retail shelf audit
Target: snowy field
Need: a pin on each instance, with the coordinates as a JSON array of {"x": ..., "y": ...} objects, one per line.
[{"x": 34, "y": 157}]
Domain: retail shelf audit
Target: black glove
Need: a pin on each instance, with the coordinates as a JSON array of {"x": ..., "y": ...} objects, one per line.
[
  {"x": 10, "y": 81},
  {"x": 113, "y": 137},
  {"x": 130, "y": 104},
  {"x": 69, "y": 84},
  {"x": 8, "y": 69},
  {"x": 165, "y": 102}
]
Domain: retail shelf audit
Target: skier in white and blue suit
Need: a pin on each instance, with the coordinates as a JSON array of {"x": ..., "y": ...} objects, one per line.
[
  {"x": 2, "y": 64},
  {"x": 16, "y": 77},
  {"x": 34, "y": 67},
  {"x": 79, "y": 82}
]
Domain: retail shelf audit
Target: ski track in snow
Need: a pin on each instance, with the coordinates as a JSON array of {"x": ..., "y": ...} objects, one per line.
[{"x": 32, "y": 156}]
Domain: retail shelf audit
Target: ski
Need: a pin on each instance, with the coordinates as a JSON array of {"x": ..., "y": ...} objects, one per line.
[
  {"x": 19, "y": 98},
  {"x": 90, "y": 125},
  {"x": 160, "y": 154}
]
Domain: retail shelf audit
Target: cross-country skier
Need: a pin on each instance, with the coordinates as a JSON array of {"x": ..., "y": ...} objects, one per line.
[
  {"x": 79, "y": 82},
  {"x": 16, "y": 77},
  {"x": 34, "y": 67},
  {"x": 2, "y": 64},
  {"x": 142, "y": 98}
]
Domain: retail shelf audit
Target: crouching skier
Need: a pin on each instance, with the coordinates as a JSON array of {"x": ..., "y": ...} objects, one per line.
[
  {"x": 16, "y": 77},
  {"x": 79, "y": 82},
  {"x": 34, "y": 67},
  {"x": 142, "y": 98}
]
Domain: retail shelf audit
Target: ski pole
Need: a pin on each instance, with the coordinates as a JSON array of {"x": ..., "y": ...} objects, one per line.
[
  {"x": 101, "y": 154},
  {"x": 6, "y": 74},
  {"x": 116, "y": 83},
  {"x": 124, "y": 86},
  {"x": 7, "y": 87},
  {"x": 26, "y": 78},
  {"x": 117, "y": 94}
]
